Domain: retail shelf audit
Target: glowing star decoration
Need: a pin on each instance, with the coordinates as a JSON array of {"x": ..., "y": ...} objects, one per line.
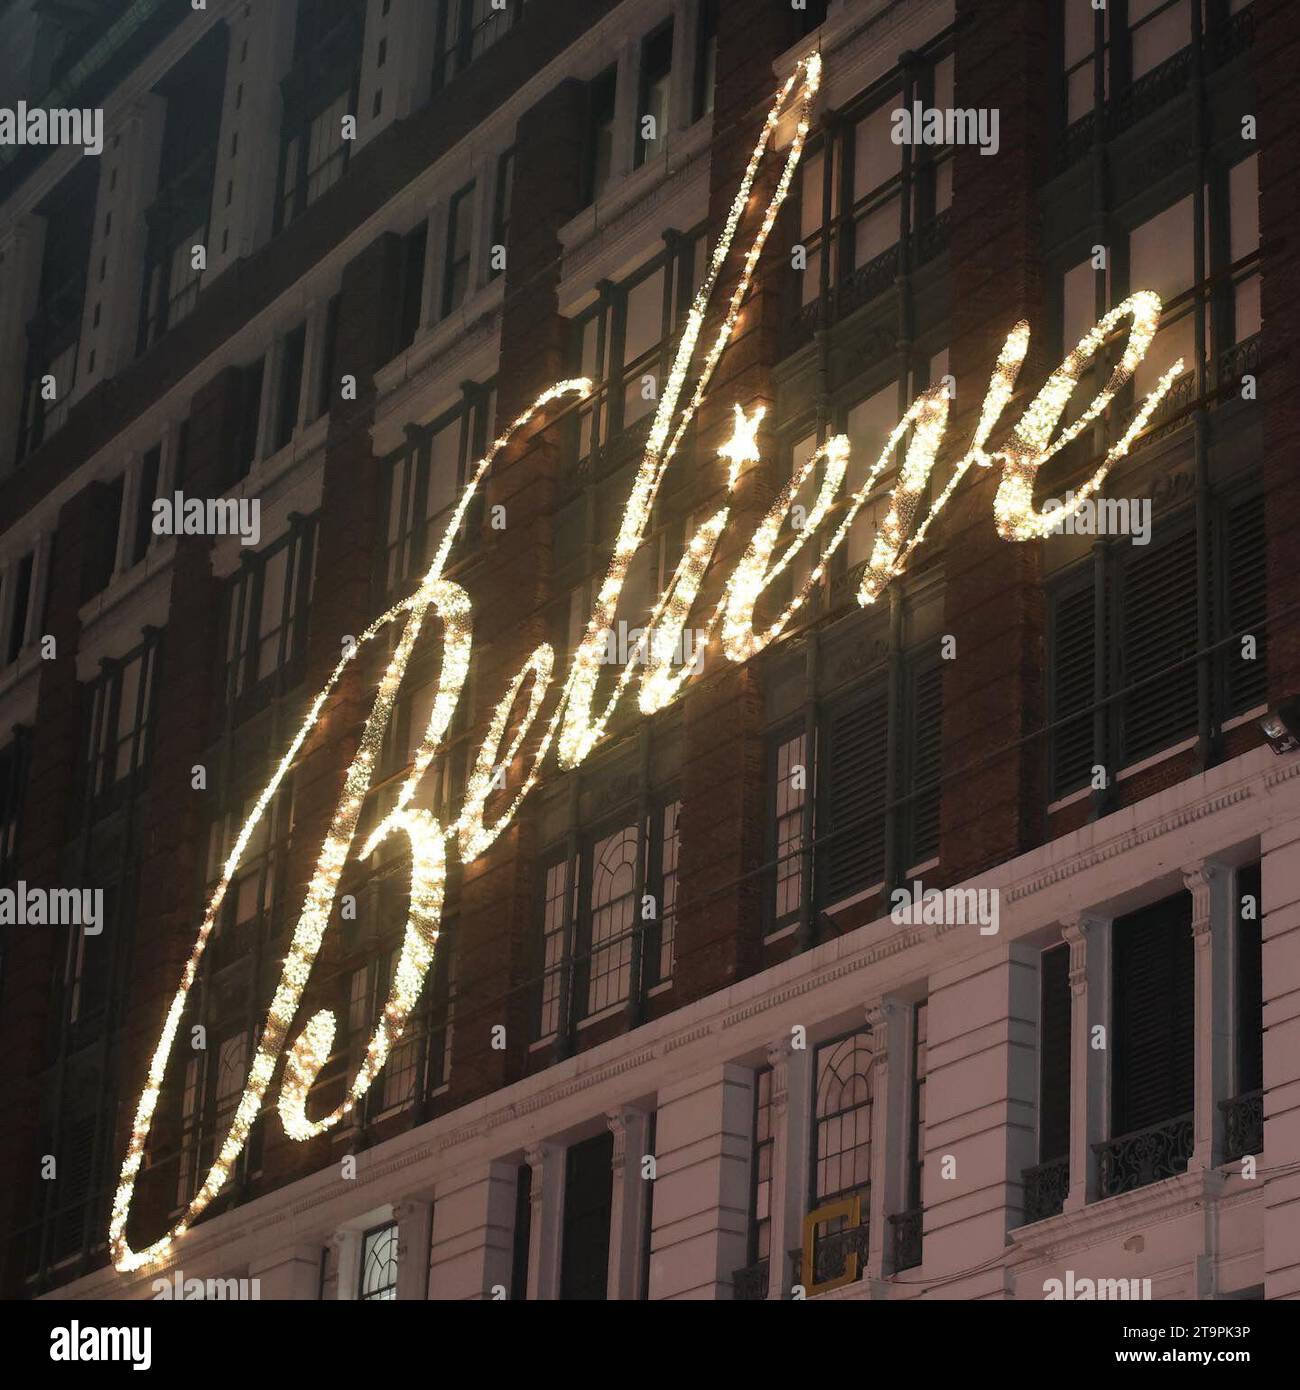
[
  {"x": 571, "y": 726},
  {"x": 579, "y": 732},
  {"x": 742, "y": 447}
]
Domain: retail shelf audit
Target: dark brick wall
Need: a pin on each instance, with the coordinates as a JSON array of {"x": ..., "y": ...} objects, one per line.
[
  {"x": 993, "y": 696},
  {"x": 1276, "y": 53},
  {"x": 33, "y": 954}
]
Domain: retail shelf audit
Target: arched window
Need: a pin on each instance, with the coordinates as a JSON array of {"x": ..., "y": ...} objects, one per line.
[
  {"x": 842, "y": 1153},
  {"x": 613, "y": 886},
  {"x": 379, "y": 1263}
]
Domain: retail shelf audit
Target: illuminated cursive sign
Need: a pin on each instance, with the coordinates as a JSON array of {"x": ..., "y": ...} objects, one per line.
[{"x": 574, "y": 726}]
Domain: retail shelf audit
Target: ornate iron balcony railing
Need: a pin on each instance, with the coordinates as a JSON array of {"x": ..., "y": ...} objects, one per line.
[
  {"x": 750, "y": 1284},
  {"x": 1153, "y": 89},
  {"x": 1045, "y": 1188},
  {"x": 1243, "y": 1125},
  {"x": 907, "y": 1227},
  {"x": 1145, "y": 1156}
]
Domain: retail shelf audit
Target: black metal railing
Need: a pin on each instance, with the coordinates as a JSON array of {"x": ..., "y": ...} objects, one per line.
[
  {"x": 1153, "y": 89},
  {"x": 750, "y": 1284},
  {"x": 907, "y": 1228},
  {"x": 1243, "y": 1125},
  {"x": 1145, "y": 1156},
  {"x": 1045, "y": 1186},
  {"x": 1241, "y": 359},
  {"x": 831, "y": 1255}
]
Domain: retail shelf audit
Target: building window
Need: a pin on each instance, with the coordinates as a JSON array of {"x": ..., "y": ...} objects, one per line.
[
  {"x": 266, "y": 614},
  {"x": 1153, "y": 1047},
  {"x": 501, "y": 205},
  {"x": 142, "y": 527},
  {"x": 410, "y": 298},
  {"x": 318, "y": 92},
  {"x": 706, "y": 62},
  {"x": 419, "y": 1065},
  {"x": 619, "y": 937},
  {"x": 425, "y": 482},
  {"x": 655, "y": 88},
  {"x": 760, "y": 1199},
  {"x": 599, "y": 158},
  {"x": 214, "y": 1081},
  {"x": 622, "y": 342},
  {"x": 1126, "y": 624},
  {"x": 460, "y": 235},
  {"x": 379, "y": 1263},
  {"x": 178, "y": 220},
  {"x": 103, "y": 525},
  {"x": 120, "y": 706},
  {"x": 669, "y": 845},
  {"x": 1243, "y": 1114},
  {"x": 588, "y": 1202},
  {"x": 14, "y": 762},
  {"x": 54, "y": 332},
  {"x": 466, "y": 30},
  {"x": 842, "y": 1133},
  {"x": 1047, "y": 1183},
  {"x": 613, "y": 911},
  {"x": 860, "y": 194},
  {"x": 251, "y": 913},
  {"x": 841, "y": 1166},
  {"x": 523, "y": 1233},
  {"x": 20, "y": 575},
  {"x": 292, "y": 350},
  {"x": 834, "y": 785},
  {"x": 790, "y": 778},
  {"x": 906, "y": 1227}
]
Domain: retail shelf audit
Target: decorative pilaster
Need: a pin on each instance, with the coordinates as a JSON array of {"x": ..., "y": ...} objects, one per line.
[
  {"x": 346, "y": 1246},
  {"x": 1209, "y": 883},
  {"x": 1088, "y": 939},
  {"x": 545, "y": 1240},
  {"x": 414, "y": 1218},
  {"x": 890, "y": 1024},
  {"x": 628, "y": 1203},
  {"x": 791, "y": 1120}
]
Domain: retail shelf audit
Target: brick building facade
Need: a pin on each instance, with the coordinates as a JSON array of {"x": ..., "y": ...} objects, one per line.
[{"x": 1071, "y": 723}]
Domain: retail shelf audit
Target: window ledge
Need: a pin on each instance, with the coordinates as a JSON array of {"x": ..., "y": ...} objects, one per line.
[
  {"x": 1163, "y": 755},
  {"x": 612, "y": 235},
  {"x": 478, "y": 320},
  {"x": 661, "y": 988},
  {"x": 307, "y": 439},
  {"x": 1238, "y": 720},
  {"x": 1171, "y": 1197},
  {"x": 158, "y": 558},
  {"x": 602, "y": 1015},
  {"x": 1063, "y": 802}
]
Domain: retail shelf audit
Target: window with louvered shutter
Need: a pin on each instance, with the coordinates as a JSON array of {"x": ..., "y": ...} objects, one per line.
[
  {"x": 73, "y": 1183},
  {"x": 1154, "y": 1016},
  {"x": 1246, "y": 582},
  {"x": 851, "y": 835},
  {"x": 1157, "y": 611},
  {"x": 1073, "y": 629},
  {"x": 1054, "y": 1055},
  {"x": 925, "y": 736},
  {"x": 1250, "y": 984}
]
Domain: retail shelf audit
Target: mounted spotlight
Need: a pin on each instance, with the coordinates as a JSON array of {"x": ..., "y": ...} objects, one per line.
[{"x": 1282, "y": 726}]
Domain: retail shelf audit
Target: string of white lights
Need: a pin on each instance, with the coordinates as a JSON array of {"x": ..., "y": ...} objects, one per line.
[{"x": 571, "y": 725}]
